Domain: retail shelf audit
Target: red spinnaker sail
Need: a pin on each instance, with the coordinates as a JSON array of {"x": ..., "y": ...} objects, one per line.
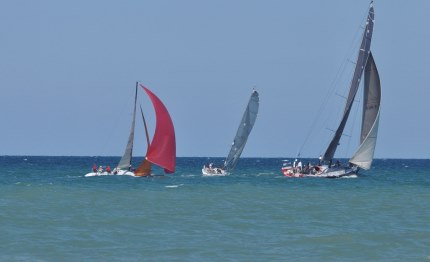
[{"x": 162, "y": 151}]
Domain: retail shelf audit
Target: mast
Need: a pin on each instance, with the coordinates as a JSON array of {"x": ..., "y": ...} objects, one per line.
[
  {"x": 146, "y": 128},
  {"x": 125, "y": 161},
  {"x": 243, "y": 132},
  {"x": 363, "y": 55},
  {"x": 144, "y": 169}
]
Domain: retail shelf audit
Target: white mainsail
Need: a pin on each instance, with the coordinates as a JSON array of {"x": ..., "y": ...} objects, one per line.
[
  {"x": 363, "y": 157},
  {"x": 243, "y": 132}
]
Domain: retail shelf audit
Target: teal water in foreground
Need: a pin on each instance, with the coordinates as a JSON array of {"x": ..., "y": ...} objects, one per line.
[{"x": 50, "y": 212}]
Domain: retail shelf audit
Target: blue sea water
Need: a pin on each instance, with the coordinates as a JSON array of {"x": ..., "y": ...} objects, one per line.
[{"x": 50, "y": 212}]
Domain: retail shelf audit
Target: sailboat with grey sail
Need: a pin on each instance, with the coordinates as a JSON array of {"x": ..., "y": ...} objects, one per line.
[
  {"x": 363, "y": 156},
  {"x": 239, "y": 142}
]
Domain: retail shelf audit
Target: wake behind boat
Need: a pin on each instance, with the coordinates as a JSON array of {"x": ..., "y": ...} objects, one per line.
[
  {"x": 239, "y": 142},
  {"x": 161, "y": 151},
  {"x": 363, "y": 156}
]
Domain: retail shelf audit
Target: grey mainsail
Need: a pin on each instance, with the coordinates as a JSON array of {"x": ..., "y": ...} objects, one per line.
[
  {"x": 370, "y": 121},
  {"x": 125, "y": 161},
  {"x": 363, "y": 55},
  {"x": 243, "y": 132}
]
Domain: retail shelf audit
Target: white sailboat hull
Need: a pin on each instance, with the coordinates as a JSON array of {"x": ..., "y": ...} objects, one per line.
[
  {"x": 337, "y": 172},
  {"x": 325, "y": 172},
  {"x": 98, "y": 174},
  {"x": 119, "y": 173},
  {"x": 206, "y": 171}
]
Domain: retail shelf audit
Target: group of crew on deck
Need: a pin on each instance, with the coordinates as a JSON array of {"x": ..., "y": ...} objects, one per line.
[
  {"x": 215, "y": 170},
  {"x": 108, "y": 169},
  {"x": 101, "y": 170},
  {"x": 298, "y": 167}
]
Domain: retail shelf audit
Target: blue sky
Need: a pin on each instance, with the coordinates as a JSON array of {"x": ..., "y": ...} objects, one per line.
[{"x": 68, "y": 70}]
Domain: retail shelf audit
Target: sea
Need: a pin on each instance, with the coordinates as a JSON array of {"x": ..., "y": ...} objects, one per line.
[{"x": 50, "y": 212}]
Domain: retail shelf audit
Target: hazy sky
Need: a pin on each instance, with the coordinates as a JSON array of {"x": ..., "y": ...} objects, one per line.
[{"x": 68, "y": 71}]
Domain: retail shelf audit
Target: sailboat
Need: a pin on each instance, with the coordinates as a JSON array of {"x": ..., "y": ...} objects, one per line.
[
  {"x": 363, "y": 156},
  {"x": 161, "y": 151},
  {"x": 239, "y": 142}
]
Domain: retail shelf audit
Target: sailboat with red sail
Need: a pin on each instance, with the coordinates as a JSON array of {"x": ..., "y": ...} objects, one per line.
[{"x": 161, "y": 151}]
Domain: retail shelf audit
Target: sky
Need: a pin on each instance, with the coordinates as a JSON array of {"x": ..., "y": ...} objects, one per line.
[{"x": 68, "y": 71}]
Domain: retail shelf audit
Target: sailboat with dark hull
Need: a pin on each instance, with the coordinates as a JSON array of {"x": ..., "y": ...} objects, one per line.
[
  {"x": 363, "y": 156},
  {"x": 239, "y": 142},
  {"x": 161, "y": 151}
]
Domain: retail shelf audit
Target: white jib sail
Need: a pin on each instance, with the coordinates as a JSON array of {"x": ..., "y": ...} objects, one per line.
[{"x": 363, "y": 157}]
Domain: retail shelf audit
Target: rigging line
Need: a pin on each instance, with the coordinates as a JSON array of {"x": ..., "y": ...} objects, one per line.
[
  {"x": 332, "y": 88},
  {"x": 146, "y": 128},
  {"x": 334, "y": 131},
  {"x": 345, "y": 98},
  {"x": 147, "y": 117},
  {"x": 355, "y": 44},
  {"x": 354, "y": 121},
  {"x": 360, "y": 93},
  {"x": 335, "y": 84},
  {"x": 352, "y": 62},
  {"x": 353, "y": 47},
  {"x": 323, "y": 104},
  {"x": 114, "y": 125},
  {"x": 342, "y": 85}
]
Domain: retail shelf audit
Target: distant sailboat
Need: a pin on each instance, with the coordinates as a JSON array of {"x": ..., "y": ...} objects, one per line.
[
  {"x": 239, "y": 142},
  {"x": 363, "y": 157},
  {"x": 161, "y": 151}
]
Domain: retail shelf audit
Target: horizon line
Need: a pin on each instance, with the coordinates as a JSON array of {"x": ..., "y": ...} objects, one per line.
[{"x": 280, "y": 157}]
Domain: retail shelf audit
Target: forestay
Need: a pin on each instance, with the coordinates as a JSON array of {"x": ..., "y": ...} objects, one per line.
[
  {"x": 125, "y": 161},
  {"x": 359, "y": 67}
]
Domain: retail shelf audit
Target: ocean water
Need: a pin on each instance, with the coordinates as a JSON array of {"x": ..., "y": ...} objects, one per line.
[{"x": 50, "y": 212}]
